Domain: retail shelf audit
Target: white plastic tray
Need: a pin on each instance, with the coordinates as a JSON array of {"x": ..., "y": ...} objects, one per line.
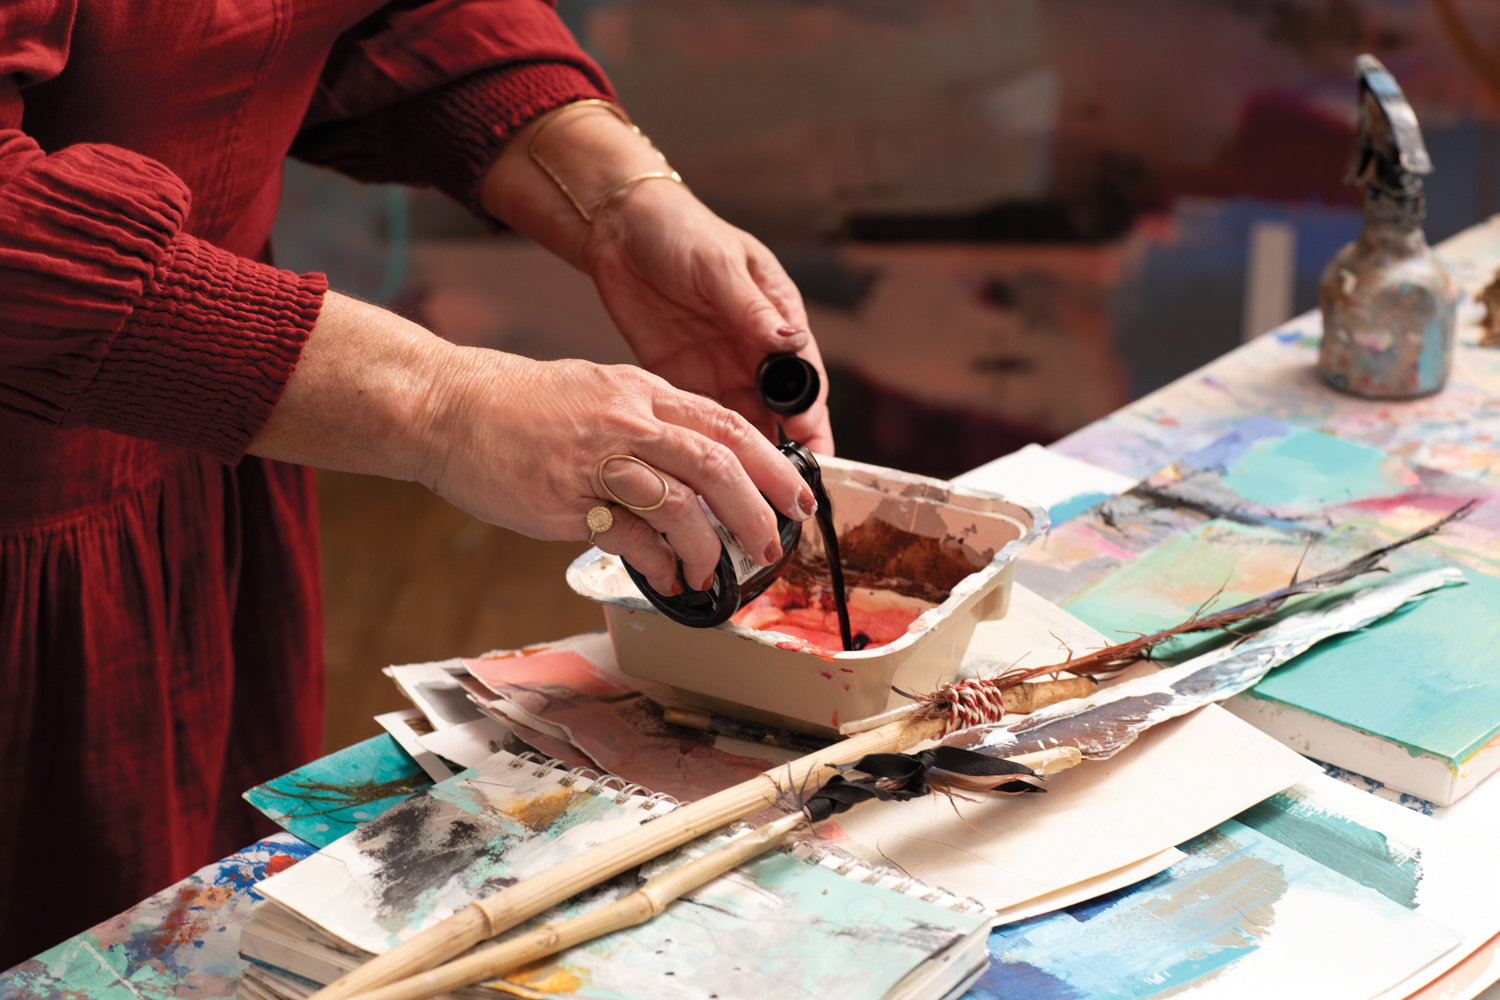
[{"x": 768, "y": 677}]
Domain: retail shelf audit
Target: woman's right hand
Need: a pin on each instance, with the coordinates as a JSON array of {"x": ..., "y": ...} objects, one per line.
[{"x": 519, "y": 443}]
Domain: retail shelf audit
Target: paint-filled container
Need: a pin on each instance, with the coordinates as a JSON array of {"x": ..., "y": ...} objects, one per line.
[{"x": 786, "y": 679}]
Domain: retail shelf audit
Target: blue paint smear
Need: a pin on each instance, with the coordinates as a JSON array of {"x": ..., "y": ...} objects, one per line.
[
  {"x": 1070, "y": 508},
  {"x": 323, "y": 800},
  {"x": 1219, "y": 455}
]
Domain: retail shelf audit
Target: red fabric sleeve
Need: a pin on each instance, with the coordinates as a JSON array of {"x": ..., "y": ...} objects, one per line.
[
  {"x": 111, "y": 316},
  {"x": 448, "y": 138},
  {"x": 428, "y": 96}
]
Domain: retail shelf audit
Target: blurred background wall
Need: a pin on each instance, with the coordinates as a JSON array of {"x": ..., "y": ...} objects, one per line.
[{"x": 1008, "y": 217}]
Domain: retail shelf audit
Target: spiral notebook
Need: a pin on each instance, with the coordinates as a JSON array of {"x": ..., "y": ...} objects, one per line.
[{"x": 799, "y": 922}]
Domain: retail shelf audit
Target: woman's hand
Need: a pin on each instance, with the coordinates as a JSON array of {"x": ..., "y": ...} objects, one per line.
[
  {"x": 700, "y": 301},
  {"x": 519, "y": 443}
]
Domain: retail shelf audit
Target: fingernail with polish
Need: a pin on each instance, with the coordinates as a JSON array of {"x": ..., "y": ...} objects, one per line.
[
  {"x": 676, "y": 589},
  {"x": 773, "y": 551},
  {"x": 708, "y": 584},
  {"x": 789, "y": 331},
  {"x": 806, "y": 504}
]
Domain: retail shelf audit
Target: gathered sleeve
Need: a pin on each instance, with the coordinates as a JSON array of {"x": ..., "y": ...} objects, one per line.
[
  {"x": 110, "y": 315},
  {"x": 115, "y": 318},
  {"x": 428, "y": 96}
]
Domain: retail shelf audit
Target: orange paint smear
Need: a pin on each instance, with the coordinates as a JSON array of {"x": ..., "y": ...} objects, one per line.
[{"x": 809, "y": 616}]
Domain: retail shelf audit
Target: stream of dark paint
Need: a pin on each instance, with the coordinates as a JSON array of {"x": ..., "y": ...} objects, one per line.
[{"x": 835, "y": 567}]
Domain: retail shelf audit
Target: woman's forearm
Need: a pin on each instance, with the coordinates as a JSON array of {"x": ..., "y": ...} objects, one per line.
[
  {"x": 591, "y": 150},
  {"x": 363, "y": 394}
]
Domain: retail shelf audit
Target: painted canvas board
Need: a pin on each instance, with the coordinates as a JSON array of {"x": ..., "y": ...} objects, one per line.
[
  {"x": 1454, "y": 430},
  {"x": 323, "y": 800},
  {"x": 180, "y": 944},
  {"x": 1177, "y": 780},
  {"x": 1411, "y": 859},
  {"x": 1242, "y": 916},
  {"x": 1193, "y": 929}
]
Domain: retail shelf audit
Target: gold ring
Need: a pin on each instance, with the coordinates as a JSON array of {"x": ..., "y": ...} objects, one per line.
[
  {"x": 599, "y": 519},
  {"x": 665, "y": 489}
]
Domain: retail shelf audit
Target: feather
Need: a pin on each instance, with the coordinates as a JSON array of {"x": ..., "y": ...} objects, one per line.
[{"x": 1107, "y": 722}]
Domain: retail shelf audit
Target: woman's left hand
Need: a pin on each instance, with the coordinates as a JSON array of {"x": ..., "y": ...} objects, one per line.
[{"x": 702, "y": 302}]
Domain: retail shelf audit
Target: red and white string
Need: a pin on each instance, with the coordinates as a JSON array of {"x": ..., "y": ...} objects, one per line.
[{"x": 971, "y": 703}]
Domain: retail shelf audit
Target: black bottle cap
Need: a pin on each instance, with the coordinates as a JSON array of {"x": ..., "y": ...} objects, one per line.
[{"x": 788, "y": 383}]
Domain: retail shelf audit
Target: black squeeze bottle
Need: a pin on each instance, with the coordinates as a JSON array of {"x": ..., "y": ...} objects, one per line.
[
  {"x": 788, "y": 385},
  {"x": 738, "y": 580}
]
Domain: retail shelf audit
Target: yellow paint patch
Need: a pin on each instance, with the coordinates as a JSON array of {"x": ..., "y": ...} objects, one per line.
[
  {"x": 546, "y": 976},
  {"x": 540, "y": 812}
]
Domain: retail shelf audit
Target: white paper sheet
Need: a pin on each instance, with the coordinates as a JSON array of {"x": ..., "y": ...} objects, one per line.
[
  {"x": 1176, "y": 781},
  {"x": 398, "y": 724},
  {"x": 470, "y": 743},
  {"x": 1091, "y": 888},
  {"x": 1033, "y": 633},
  {"x": 1044, "y": 477}
]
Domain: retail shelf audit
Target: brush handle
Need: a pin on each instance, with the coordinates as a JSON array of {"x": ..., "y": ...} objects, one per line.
[
  {"x": 637, "y": 908},
  {"x": 505, "y": 909}
]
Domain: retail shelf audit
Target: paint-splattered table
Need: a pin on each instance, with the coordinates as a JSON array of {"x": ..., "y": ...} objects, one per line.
[
  {"x": 184, "y": 941},
  {"x": 1455, "y": 431}
]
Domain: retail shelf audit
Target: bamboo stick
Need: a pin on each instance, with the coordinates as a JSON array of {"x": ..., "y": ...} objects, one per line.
[
  {"x": 505, "y": 909},
  {"x": 637, "y": 908}
]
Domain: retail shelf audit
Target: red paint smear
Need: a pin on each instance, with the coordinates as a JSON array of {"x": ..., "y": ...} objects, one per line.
[
  {"x": 279, "y": 863},
  {"x": 793, "y": 611}
]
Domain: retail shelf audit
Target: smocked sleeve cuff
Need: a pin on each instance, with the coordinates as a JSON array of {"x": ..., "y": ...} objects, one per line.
[
  {"x": 205, "y": 354},
  {"x": 447, "y": 138},
  {"x": 471, "y": 119}
]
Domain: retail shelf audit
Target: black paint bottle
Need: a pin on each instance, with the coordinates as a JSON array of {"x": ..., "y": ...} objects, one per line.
[{"x": 788, "y": 386}]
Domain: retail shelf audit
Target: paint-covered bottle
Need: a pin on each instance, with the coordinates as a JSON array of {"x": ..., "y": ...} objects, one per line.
[{"x": 1388, "y": 306}]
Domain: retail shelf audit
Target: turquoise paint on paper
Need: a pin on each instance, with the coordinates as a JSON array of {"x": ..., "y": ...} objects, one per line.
[
  {"x": 322, "y": 801},
  {"x": 1065, "y": 510},
  {"x": 1313, "y": 470},
  {"x": 1349, "y": 848},
  {"x": 1427, "y": 677}
]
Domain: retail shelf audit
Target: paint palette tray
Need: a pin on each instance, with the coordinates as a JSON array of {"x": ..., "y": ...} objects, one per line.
[{"x": 777, "y": 679}]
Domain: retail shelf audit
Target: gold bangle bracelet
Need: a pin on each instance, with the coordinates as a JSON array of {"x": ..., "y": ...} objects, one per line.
[{"x": 589, "y": 215}]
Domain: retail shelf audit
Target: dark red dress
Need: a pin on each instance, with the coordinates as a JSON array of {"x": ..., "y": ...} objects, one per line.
[{"x": 160, "y": 633}]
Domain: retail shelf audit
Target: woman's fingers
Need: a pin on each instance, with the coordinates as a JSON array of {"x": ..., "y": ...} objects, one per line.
[
  {"x": 642, "y": 546},
  {"x": 675, "y": 512},
  {"x": 744, "y": 306},
  {"x": 724, "y": 458}
]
